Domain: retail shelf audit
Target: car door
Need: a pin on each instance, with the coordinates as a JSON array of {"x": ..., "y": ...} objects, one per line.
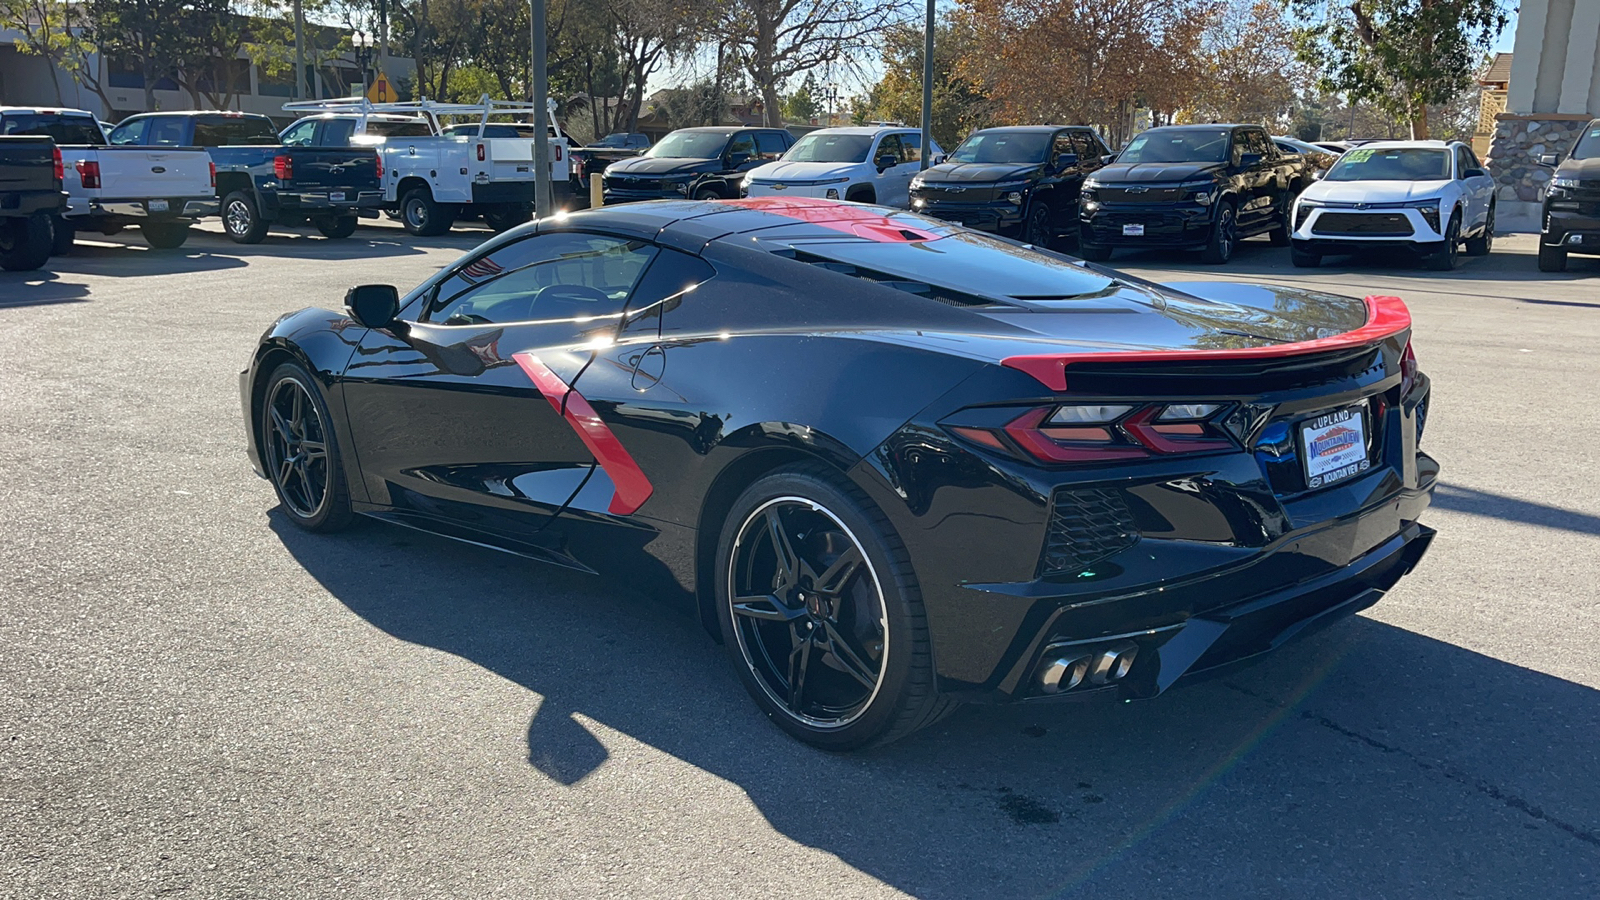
[
  {"x": 1260, "y": 177},
  {"x": 1477, "y": 189},
  {"x": 887, "y": 184},
  {"x": 461, "y": 416}
]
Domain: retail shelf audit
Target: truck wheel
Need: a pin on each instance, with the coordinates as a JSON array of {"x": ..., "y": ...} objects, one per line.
[
  {"x": 1304, "y": 259},
  {"x": 165, "y": 235},
  {"x": 505, "y": 218},
  {"x": 25, "y": 243},
  {"x": 708, "y": 193},
  {"x": 336, "y": 226},
  {"x": 422, "y": 216},
  {"x": 1279, "y": 235},
  {"x": 63, "y": 236},
  {"x": 241, "y": 219},
  {"x": 1224, "y": 237},
  {"x": 1036, "y": 229},
  {"x": 1552, "y": 259},
  {"x": 862, "y": 195}
]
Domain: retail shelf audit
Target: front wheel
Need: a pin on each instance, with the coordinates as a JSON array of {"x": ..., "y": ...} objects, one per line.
[
  {"x": 1552, "y": 259},
  {"x": 822, "y": 613},
  {"x": 336, "y": 226},
  {"x": 1224, "y": 237},
  {"x": 301, "y": 451},
  {"x": 1444, "y": 259},
  {"x": 165, "y": 235},
  {"x": 1093, "y": 252},
  {"x": 1484, "y": 242},
  {"x": 25, "y": 242},
  {"x": 1036, "y": 230},
  {"x": 708, "y": 193}
]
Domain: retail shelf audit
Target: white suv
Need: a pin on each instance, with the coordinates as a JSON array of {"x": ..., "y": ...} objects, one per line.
[
  {"x": 869, "y": 164},
  {"x": 1425, "y": 196}
]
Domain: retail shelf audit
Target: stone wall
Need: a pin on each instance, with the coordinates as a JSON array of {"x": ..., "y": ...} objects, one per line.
[{"x": 1519, "y": 141}]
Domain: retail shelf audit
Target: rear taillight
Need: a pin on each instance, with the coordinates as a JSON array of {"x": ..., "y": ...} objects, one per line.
[
  {"x": 1408, "y": 370},
  {"x": 380, "y": 165},
  {"x": 213, "y": 176},
  {"x": 61, "y": 167},
  {"x": 1103, "y": 431},
  {"x": 88, "y": 173},
  {"x": 283, "y": 167},
  {"x": 481, "y": 154},
  {"x": 558, "y": 153}
]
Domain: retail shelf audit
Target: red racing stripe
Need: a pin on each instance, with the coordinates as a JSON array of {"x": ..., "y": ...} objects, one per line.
[
  {"x": 1386, "y": 317},
  {"x": 630, "y": 486},
  {"x": 850, "y": 218}
]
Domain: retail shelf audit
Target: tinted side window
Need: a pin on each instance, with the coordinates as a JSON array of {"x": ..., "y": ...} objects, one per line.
[
  {"x": 336, "y": 133},
  {"x": 165, "y": 131},
  {"x": 231, "y": 131},
  {"x": 769, "y": 144},
  {"x": 564, "y": 276},
  {"x": 911, "y": 146},
  {"x": 744, "y": 142},
  {"x": 129, "y": 132},
  {"x": 300, "y": 133},
  {"x": 665, "y": 285},
  {"x": 1061, "y": 143},
  {"x": 1464, "y": 162},
  {"x": 890, "y": 146},
  {"x": 1084, "y": 146}
]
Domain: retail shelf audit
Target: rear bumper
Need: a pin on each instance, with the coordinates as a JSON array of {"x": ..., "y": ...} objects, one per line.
[
  {"x": 1165, "y": 227},
  {"x": 300, "y": 201},
  {"x": 1561, "y": 227},
  {"x": 159, "y": 208},
  {"x": 26, "y": 203}
]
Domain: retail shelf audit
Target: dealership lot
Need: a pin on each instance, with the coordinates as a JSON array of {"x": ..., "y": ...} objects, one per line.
[{"x": 202, "y": 700}]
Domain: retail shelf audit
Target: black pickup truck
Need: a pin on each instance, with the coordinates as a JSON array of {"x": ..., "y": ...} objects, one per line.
[
  {"x": 261, "y": 181},
  {"x": 703, "y": 163},
  {"x": 1190, "y": 187},
  {"x": 30, "y": 195},
  {"x": 1572, "y": 202}
]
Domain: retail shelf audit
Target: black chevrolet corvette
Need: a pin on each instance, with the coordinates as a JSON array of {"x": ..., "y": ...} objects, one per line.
[{"x": 895, "y": 463}]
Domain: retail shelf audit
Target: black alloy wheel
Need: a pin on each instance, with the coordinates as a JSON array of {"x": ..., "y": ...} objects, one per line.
[
  {"x": 1444, "y": 259},
  {"x": 1280, "y": 233},
  {"x": 241, "y": 219},
  {"x": 25, "y": 242},
  {"x": 1484, "y": 242},
  {"x": 1224, "y": 236},
  {"x": 300, "y": 454},
  {"x": 336, "y": 226},
  {"x": 819, "y": 607},
  {"x": 1036, "y": 230}
]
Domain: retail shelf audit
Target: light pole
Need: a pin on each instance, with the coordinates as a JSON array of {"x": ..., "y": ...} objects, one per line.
[
  {"x": 541, "y": 106},
  {"x": 927, "y": 89},
  {"x": 362, "y": 44}
]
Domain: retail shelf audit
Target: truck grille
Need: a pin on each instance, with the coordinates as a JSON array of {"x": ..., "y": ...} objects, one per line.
[
  {"x": 632, "y": 183},
  {"x": 937, "y": 192},
  {"x": 1372, "y": 224},
  {"x": 1086, "y": 526},
  {"x": 1140, "y": 195}
]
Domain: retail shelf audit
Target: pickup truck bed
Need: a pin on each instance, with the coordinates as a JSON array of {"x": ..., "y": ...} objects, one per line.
[{"x": 30, "y": 193}]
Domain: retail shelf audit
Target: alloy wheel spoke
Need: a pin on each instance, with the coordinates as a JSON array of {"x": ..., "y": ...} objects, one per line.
[
  {"x": 281, "y": 425},
  {"x": 313, "y": 450},
  {"x": 799, "y": 663},
  {"x": 297, "y": 415},
  {"x": 788, "y": 561},
  {"x": 848, "y": 658},
  {"x": 837, "y": 577},
  {"x": 767, "y": 608}
]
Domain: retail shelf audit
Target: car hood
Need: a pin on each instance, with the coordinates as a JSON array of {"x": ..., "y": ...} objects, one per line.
[
  {"x": 1139, "y": 173},
  {"x": 660, "y": 165},
  {"x": 1374, "y": 191},
  {"x": 803, "y": 171},
  {"x": 978, "y": 173},
  {"x": 1581, "y": 169}
]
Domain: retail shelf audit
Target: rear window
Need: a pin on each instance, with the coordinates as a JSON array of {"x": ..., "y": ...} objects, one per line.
[
  {"x": 398, "y": 129},
  {"x": 233, "y": 131},
  {"x": 65, "y": 129}
]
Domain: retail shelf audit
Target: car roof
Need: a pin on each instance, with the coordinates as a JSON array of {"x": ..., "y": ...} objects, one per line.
[
  {"x": 1402, "y": 145},
  {"x": 48, "y": 110},
  {"x": 862, "y": 129},
  {"x": 1039, "y": 129},
  {"x": 222, "y": 113},
  {"x": 1204, "y": 126},
  {"x": 726, "y": 129}
]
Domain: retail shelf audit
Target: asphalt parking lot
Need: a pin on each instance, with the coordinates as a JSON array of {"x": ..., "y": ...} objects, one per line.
[{"x": 201, "y": 701}]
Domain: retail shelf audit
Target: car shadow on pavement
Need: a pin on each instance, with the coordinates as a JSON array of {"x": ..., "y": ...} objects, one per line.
[
  {"x": 39, "y": 289},
  {"x": 1513, "y": 509},
  {"x": 1369, "y": 760}
]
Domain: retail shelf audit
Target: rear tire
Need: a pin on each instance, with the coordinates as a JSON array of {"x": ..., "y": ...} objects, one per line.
[
  {"x": 507, "y": 217},
  {"x": 241, "y": 219},
  {"x": 862, "y": 195},
  {"x": 1484, "y": 242},
  {"x": 1279, "y": 236},
  {"x": 1224, "y": 237},
  {"x": 300, "y": 451},
  {"x": 1552, "y": 259},
  {"x": 63, "y": 236},
  {"x": 25, "y": 243},
  {"x": 829, "y": 638},
  {"x": 1304, "y": 259},
  {"x": 336, "y": 226},
  {"x": 422, "y": 216},
  {"x": 165, "y": 235}
]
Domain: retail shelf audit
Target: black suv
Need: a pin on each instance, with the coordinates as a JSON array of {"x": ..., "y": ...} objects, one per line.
[
  {"x": 1191, "y": 186},
  {"x": 1572, "y": 203},
  {"x": 703, "y": 163},
  {"x": 1021, "y": 182}
]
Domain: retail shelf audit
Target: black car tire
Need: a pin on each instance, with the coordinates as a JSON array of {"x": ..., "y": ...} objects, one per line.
[
  {"x": 1444, "y": 259},
  {"x": 25, "y": 242},
  {"x": 776, "y": 644},
  {"x": 507, "y": 217},
  {"x": 1304, "y": 259},
  {"x": 1036, "y": 228},
  {"x": 1552, "y": 259},
  {"x": 62, "y": 236},
  {"x": 1279, "y": 235},
  {"x": 1484, "y": 242},
  {"x": 311, "y": 486},
  {"x": 863, "y": 194},
  {"x": 336, "y": 226},
  {"x": 1224, "y": 236},
  {"x": 241, "y": 219},
  {"x": 164, "y": 235},
  {"x": 422, "y": 216},
  {"x": 708, "y": 193},
  {"x": 1093, "y": 252}
]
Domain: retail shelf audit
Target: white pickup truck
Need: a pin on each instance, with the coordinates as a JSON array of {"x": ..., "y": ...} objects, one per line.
[
  {"x": 434, "y": 172},
  {"x": 162, "y": 190}
]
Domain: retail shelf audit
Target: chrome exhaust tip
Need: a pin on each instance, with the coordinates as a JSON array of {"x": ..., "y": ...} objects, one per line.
[
  {"x": 1112, "y": 663},
  {"x": 1063, "y": 673}
]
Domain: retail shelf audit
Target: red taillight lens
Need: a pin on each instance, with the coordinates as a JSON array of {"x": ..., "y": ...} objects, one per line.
[
  {"x": 1408, "y": 370},
  {"x": 1073, "y": 444},
  {"x": 283, "y": 167},
  {"x": 482, "y": 155},
  {"x": 61, "y": 167},
  {"x": 1104, "y": 431},
  {"x": 89, "y": 173},
  {"x": 213, "y": 176},
  {"x": 380, "y": 165},
  {"x": 558, "y": 153}
]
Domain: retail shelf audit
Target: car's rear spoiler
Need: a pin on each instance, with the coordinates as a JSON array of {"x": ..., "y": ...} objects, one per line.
[{"x": 1386, "y": 317}]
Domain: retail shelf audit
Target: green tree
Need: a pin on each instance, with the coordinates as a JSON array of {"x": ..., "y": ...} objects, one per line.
[
  {"x": 1400, "y": 55},
  {"x": 802, "y": 104},
  {"x": 959, "y": 104},
  {"x": 50, "y": 29}
]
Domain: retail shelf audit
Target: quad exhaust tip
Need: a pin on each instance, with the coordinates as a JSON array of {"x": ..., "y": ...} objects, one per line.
[{"x": 1099, "y": 667}]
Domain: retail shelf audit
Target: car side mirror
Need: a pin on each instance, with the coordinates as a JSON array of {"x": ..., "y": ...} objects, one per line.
[
  {"x": 373, "y": 305},
  {"x": 1474, "y": 173},
  {"x": 886, "y": 161},
  {"x": 938, "y": 160},
  {"x": 735, "y": 160},
  {"x": 1246, "y": 160},
  {"x": 1066, "y": 161},
  {"x": 1550, "y": 159},
  {"x": 1108, "y": 159}
]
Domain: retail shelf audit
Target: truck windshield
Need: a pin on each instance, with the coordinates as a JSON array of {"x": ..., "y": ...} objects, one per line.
[
  {"x": 1003, "y": 147},
  {"x": 690, "y": 145},
  {"x": 830, "y": 148},
  {"x": 1187, "y": 146},
  {"x": 1398, "y": 164},
  {"x": 1588, "y": 146},
  {"x": 65, "y": 129}
]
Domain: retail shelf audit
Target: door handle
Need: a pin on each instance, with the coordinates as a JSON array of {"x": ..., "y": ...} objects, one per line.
[{"x": 649, "y": 368}]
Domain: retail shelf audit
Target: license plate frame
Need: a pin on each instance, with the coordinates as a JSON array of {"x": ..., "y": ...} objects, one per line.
[
  {"x": 1133, "y": 230},
  {"x": 158, "y": 206},
  {"x": 336, "y": 196},
  {"x": 1335, "y": 446}
]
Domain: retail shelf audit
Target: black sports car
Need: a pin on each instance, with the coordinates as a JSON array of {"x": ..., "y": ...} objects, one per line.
[{"x": 895, "y": 463}]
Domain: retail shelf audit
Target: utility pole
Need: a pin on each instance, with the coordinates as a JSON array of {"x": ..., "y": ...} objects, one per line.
[
  {"x": 541, "y": 103},
  {"x": 299, "y": 53},
  {"x": 927, "y": 89},
  {"x": 383, "y": 35}
]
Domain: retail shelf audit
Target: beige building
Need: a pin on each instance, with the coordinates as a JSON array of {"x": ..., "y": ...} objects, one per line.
[{"x": 1553, "y": 90}]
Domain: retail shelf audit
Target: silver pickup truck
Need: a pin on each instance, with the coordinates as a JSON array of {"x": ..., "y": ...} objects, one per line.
[{"x": 162, "y": 190}]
